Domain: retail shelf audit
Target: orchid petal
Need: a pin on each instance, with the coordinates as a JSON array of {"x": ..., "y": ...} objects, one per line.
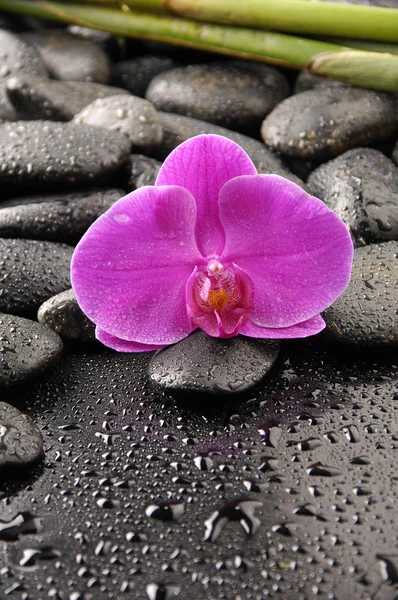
[
  {"x": 296, "y": 250},
  {"x": 202, "y": 165},
  {"x": 300, "y": 330},
  {"x": 130, "y": 269},
  {"x": 123, "y": 345}
]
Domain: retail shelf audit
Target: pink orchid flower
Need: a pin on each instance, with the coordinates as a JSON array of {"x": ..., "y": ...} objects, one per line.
[{"x": 212, "y": 245}]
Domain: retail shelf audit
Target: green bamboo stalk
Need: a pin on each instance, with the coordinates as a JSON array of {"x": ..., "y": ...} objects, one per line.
[
  {"x": 242, "y": 42},
  {"x": 146, "y": 5},
  {"x": 358, "y": 68},
  {"x": 160, "y": 6},
  {"x": 373, "y": 70},
  {"x": 298, "y": 16},
  {"x": 382, "y": 47}
]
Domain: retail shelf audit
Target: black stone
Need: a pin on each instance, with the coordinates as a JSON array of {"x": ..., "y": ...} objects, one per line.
[
  {"x": 30, "y": 273},
  {"x": 27, "y": 349},
  {"x": 62, "y": 217},
  {"x": 69, "y": 58},
  {"x": 394, "y": 154},
  {"x": 7, "y": 110},
  {"x": 134, "y": 117},
  {"x": 21, "y": 442},
  {"x": 307, "y": 81},
  {"x": 38, "y": 153},
  {"x": 367, "y": 312},
  {"x": 105, "y": 40},
  {"x": 63, "y": 315},
  {"x": 322, "y": 123},
  {"x": 51, "y": 100},
  {"x": 233, "y": 94},
  {"x": 19, "y": 57},
  {"x": 177, "y": 129},
  {"x": 206, "y": 365},
  {"x": 301, "y": 168},
  {"x": 361, "y": 186},
  {"x": 136, "y": 74},
  {"x": 141, "y": 170}
]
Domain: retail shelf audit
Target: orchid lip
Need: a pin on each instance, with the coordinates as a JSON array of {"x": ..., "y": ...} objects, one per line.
[{"x": 219, "y": 298}]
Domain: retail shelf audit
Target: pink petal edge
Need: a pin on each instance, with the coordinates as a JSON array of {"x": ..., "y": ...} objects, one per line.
[
  {"x": 297, "y": 251},
  {"x": 299, "y": 330},
  {"x": 202, "y": 165},
  {"x": 123, "y": 345}
]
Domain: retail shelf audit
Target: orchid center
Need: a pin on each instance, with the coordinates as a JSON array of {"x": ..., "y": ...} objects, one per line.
[{"x": 220, "y": 296}]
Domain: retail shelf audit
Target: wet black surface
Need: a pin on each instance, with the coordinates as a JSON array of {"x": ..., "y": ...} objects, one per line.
[{"x": 287, "y": 492}]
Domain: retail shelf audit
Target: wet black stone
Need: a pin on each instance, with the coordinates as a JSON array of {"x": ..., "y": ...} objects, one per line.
[
  {"x": 367, "y": 312},
  {"x": 69, "y": 58},
  {"x": 177, "y": 129},
  {"x": 136, "y": 74},
  {"x": 361, "y": 186},
  {"x": 21, "y": 442},
  {"x": 301, "y": 168},
  {"x": 322, "y": 123},
  {"x": 232, "y": 94},
  {"x": 206, "y": 365},
  {"x": 27, "y": 349},
  {"x": 7, "y": 110},
  {"x": 18, "y": 57},
  {"x": 394, "y": 154},
  {"x": 134, "y": 117},
  {"x": 62, "y": 314},
  {"x": 307, "y": 81},
  {"x": 37, "y": 153},
  {"x": 54, "y": 100},
  {"x": 62, "y": 217},
  {"x": 101, "y": 38},
  {"x": 141, "y": 170},
  {"x": 30, "y": 273}
]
